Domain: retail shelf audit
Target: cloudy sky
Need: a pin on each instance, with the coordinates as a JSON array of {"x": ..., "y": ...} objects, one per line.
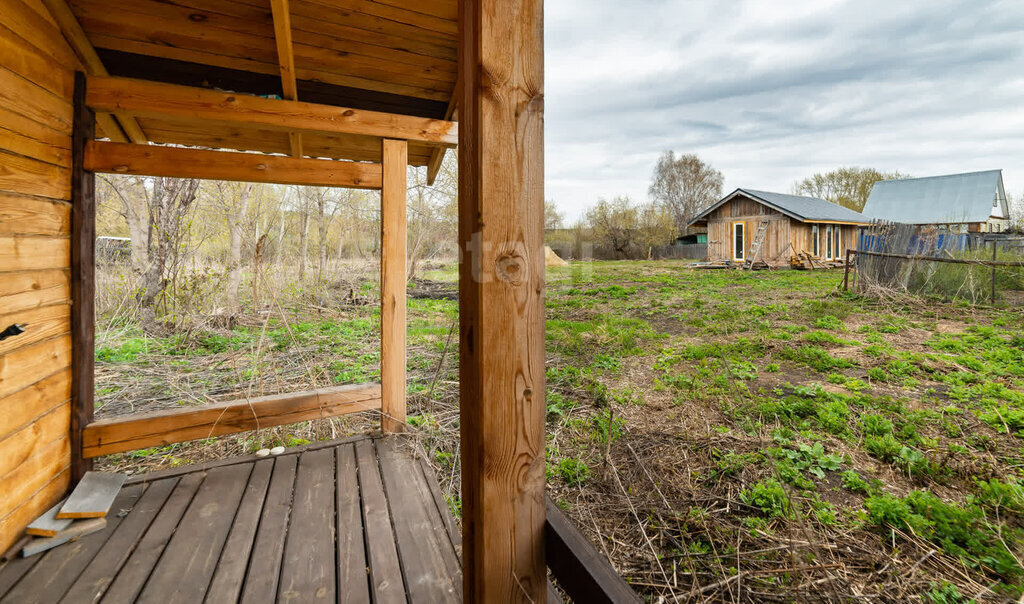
[{"x": 770, "y": 91}]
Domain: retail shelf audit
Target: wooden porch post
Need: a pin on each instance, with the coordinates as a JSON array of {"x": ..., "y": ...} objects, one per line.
[
  {"x": 395, "y": 158},
  {"x": 501, "y": 299},
  {"x": 83, "y": 279}
]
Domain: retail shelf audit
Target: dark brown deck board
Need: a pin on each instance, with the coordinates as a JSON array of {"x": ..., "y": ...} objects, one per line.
[
  {"x": 307, "y": 570},
  {"x": 355, "y": 521},
  {"x": 195, "y": 548},
  {"x": 130, "y": 581},
  {"x": 265, "y": 562},
  {"x": 51, "y": 577},
  {"x": 424, "y": 556},
  {"x": 13, "y": 570},
  {"x": 385, "y": 570},
  {"x": 93, "y": 581},
  {"x": 230, "y": 573},
  {"x": 353, "y": 577}
]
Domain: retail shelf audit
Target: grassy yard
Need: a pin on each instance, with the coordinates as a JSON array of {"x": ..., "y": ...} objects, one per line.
[{"x": 719, "y": 435}]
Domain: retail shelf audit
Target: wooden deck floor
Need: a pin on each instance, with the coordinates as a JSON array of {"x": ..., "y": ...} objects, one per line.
[{"x": 351, "y": 521}]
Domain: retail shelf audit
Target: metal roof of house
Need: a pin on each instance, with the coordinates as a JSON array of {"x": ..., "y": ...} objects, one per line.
[
  {"x": 952, "y": 198},
  {"x": 804, "y": 209}
]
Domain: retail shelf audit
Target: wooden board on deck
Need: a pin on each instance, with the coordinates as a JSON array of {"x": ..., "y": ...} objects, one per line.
[
  {"x": 79, "y": 528},
  {"x": 48, "y": 525},
  {"x": 93, "y": 496}
]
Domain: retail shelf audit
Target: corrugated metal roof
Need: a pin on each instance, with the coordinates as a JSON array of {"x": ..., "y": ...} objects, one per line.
[
  {"x": 808, "y": 208},
  {"x": 804, "y": 209},
  {"x": 952, "y": 198}
]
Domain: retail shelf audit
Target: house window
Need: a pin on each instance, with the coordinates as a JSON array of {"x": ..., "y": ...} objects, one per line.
[
  {"x": 815, "y": 241},
  {"x": 828, "y": 243},
  {"x": 836, "y": 243},
  {"x": 737, "y": 238}
]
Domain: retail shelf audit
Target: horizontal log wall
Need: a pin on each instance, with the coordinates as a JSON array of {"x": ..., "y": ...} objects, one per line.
[
  {"x": 36, "y": 86},
  {"x": 785, "y": 236}
]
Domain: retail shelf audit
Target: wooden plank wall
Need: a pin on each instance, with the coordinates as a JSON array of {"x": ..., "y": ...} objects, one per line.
[
  {"x": 781, "y": 233},
  {"x": 751, "y": 213},
  {"x": 36, "y": 86}
]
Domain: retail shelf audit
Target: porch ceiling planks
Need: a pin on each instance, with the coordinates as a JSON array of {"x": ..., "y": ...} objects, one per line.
[
  {"x": 358, "y": 43},
  {"x": 261, "y": 530}
]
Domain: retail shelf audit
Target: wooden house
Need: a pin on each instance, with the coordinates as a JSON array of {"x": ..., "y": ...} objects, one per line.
[
  {"x": 758, "y": 226},
  {"x": 973, "y": 202},
  {"x": 343, "y": 93}
]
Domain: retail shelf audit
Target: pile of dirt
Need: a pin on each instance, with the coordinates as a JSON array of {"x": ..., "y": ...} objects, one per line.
[{"x": 552, "y": 259}]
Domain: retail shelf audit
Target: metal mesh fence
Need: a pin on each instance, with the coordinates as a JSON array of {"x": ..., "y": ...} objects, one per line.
[{"x": 894, "y": 259}]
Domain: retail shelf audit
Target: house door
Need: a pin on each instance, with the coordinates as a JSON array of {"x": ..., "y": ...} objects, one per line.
[
  {"x": 828, "y": 243},
  {"x": 738, "y": 240}
]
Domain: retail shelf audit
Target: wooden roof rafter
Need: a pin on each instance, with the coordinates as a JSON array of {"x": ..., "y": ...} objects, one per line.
[
  {"x": 118, "y": 127},
  {"x": 286, "y": 61}
]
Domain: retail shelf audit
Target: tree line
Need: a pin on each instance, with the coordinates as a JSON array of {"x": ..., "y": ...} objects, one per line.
[{"x": 228, "y": 246}]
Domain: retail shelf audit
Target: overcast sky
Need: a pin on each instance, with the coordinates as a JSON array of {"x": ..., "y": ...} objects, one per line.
[{"x": 771, "y": 91}]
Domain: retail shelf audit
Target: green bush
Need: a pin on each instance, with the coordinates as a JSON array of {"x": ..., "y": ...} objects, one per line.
[
  {"x": 829, "y": 322},
  {"x": 876, "y": 425},
  {"x": 854, "y": 482},
  {"x": 573, "y": 471},
  {"x": 959, "y": 531},
  {"x": 885, "y": 447},
  {"x": 769, "y": 496},
  {"x": 815, "y": 357}
]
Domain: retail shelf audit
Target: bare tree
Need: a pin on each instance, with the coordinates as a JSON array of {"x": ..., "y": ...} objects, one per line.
[
  {"x": 1016, "y": 207},
  {"x": 615, "y": 224},
  {"x": 655, "y": 227},
  {"x": 848, "y": 187},
  {"x": 684, "y": 185},
  {"x": 157, "y": 211},
  {"x": 234, "y": 198},
  {"x": 433, "y": 214},
  {"x": 553, "y": 219}
]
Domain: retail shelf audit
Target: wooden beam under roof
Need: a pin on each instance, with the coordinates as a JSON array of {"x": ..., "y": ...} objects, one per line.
[
  {"x": 153, "y": 99},
  {"x": 181, "y": 162},
  {"x": 286, "y": 60},
  {"x": 75, "y": 35},
  {"x": 437, "y": 155}
]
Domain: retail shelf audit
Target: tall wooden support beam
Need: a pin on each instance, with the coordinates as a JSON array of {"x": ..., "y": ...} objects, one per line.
[
  {"x": 286, "y": 60},
  {"x": 79, "y": 42},
  {"x": 83, "y": 279},
  {"x": 395, "y": 155},
  {"x": 501, "y": 298}
]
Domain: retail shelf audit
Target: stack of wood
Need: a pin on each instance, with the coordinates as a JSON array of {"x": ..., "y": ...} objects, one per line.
[{"x": 82, "y": 513}]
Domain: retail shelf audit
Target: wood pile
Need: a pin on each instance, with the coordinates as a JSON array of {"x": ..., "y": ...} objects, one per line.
[{"x": 82, "y": 513}]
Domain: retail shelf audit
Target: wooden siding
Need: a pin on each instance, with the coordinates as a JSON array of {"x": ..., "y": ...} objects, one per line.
[
  {"x": 785, "y": 236},
  {"x": 751, "y": 214},
  {"x": 36, "y": 83}
]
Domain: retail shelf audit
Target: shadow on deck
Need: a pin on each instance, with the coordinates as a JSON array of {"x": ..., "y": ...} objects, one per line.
[{"x": 351, "y": 521}]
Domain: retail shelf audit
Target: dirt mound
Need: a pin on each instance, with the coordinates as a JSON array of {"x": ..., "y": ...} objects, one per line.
[{"x": 552, "y": 259}]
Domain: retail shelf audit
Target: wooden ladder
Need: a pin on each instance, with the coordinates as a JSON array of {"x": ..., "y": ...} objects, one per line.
[{"x": 755, "y": 248}]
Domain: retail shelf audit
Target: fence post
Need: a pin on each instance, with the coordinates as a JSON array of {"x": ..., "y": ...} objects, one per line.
[
  {"x": 846, "y": 271},
  {"x": 993, "y": 272}
]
